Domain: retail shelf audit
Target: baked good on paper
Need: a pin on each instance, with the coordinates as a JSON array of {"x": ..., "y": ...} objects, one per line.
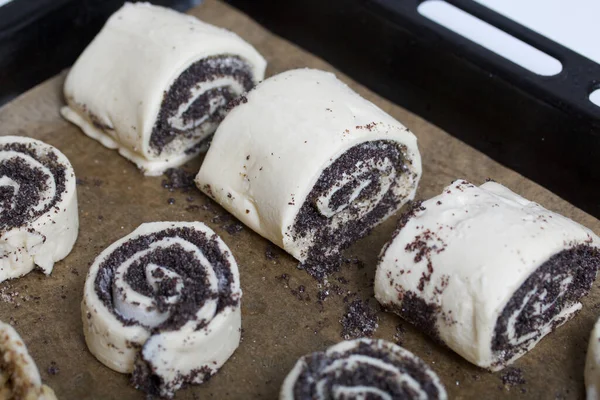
[
  {"x": 19, "y": 376},
  {"x": 38, "y": 206},
  {"x": 486, "y": 271},
  {"x": 310, "y": 165},
  {"x": 163, "y": 303},
  {"x": 592, "y": 365},
  {"x": 362, "y": 369},
  {"x": 154, "y": 84}
]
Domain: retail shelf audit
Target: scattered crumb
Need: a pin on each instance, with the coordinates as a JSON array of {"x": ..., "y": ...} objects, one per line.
[
  {"x": 53, "y": 368},
  {"x": 300, "y": 293},
  {"x": 208, "y": 207},
  {"x": 512, "y": 377},
  {"x": 322, "y": 294},
  {"x": 342, "y": 280},
  {"x": 85, "y": 181},
  {"x": 320, "y": 325},
  {"x": 7, "y": 296},
  {"x": 347, "y": 297},
  {"x": 178, "y": 178},
  {"x": 233, "y": 228},
  {"x": 399, "y": 334},
  {"x": 359, "y": 320},
  {"x": 171, "y": 201},
  {"x": 270, "y": 252},
  {"x": 227, "y": 222},
  {"x": 354, "y": 261}
]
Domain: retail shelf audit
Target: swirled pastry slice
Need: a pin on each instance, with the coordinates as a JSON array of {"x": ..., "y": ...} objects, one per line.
[
  {"x": 19, "y": 376},
  {"x": 163, "y": 303},
  {"x": 362, "y": 369},
  {"x": 310, "y": 165},
  {"x": 38, "y": 206},
  {"x": 154, "y": 84},
  {"x": 486, "y": 271}
]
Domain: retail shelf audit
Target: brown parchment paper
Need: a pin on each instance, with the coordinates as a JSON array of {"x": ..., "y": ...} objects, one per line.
[{"x": 114, "y": 198}]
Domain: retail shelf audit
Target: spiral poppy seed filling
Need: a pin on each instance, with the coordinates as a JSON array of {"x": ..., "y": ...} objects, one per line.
[
  {"x": 167, "y": 78},
  {"x": 362, "y": 375},
  {"x": 556, "y": 285},
  {"x": 365, "y": 369},
  {"x": 353, "y": 194},
  {"x": 163, "y": 304},
  {"x": 208, "y": 108},
  {"x": 310, "y": 165},
  {"x": 194, "y": 288},
  {"x": 23, "y": 185},
  {"x": 486, "y": 271}
]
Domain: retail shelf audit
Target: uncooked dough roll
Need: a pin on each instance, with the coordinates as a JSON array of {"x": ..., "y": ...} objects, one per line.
[
  {"x": 163, "y": 303},
  {"x": 154, "y": 84},
  {"x": 486, "y": 271},
  {"x": 38, "y": 206},
  {"x": 592, "y": 365},
  {"x": 310, "y": 165},
  {"x": 362, "y": 369},
  {"x": 19, "y": 376}
]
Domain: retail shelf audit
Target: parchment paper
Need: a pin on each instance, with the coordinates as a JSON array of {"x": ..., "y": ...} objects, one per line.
[{"x": 114, "y": 198}]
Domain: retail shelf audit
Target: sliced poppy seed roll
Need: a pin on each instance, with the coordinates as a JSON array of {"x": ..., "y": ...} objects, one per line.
[
  {"x": 163, "y": 303},
  {"x": 362, "y": 369},
  {"x": 154, "y": 84},
  {"x": 19, "y": 376},
  {"x": 39, "y": 220},
  {"x": 310, "y": 165},
  {"x": 486, "y": 271},
  {"x": 592, "y": 365}
]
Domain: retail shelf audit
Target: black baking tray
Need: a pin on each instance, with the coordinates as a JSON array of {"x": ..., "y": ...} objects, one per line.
[
  {"x": 38, "y": 38},
  {"x": 543, "y": 127}
]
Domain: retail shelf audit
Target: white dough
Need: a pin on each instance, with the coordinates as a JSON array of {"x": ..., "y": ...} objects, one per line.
[
  {"x": 321, "y": 371},
  {"x": 592, "y": 365},
  {"x": 115, "y": 89},
  {"x": 43, "y": 239},
  {"x": 19, "y": 376},
  {"x": 466, "y": 254},
  {"x": 270, "y": 151},
  {"x": 171, "y": 354}
]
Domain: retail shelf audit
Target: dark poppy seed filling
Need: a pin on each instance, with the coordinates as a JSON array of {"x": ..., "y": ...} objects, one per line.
[
  {"x": 24, "y": 184},
  {"x": 356, "y": 192},
  {"x": 163, "y": 304},
  {"x": 188, "y": 277},
  {"x": 367, "y": 371},
  {"x": 208, "y": 108},
  {"x": 556, "y": 285},
  {"x": 419, "y": 313}
]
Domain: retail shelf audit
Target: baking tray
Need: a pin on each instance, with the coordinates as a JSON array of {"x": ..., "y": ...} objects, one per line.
[
  {"x": 508, "y": 113},
  {"x": 278, "y": 326},
  {"x": 39, "y": 38}
]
